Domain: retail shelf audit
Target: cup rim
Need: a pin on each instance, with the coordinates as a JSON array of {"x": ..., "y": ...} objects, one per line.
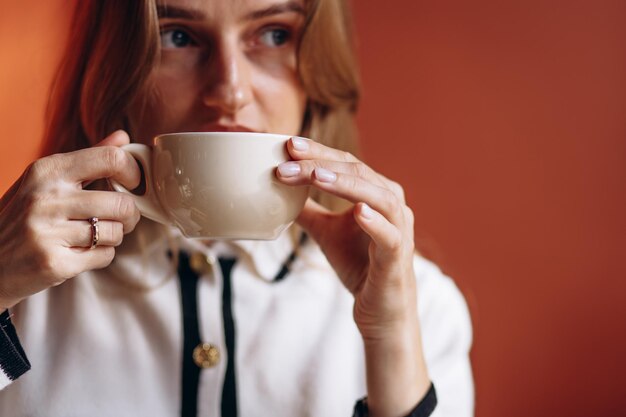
[{"x": 209, "y": 134}]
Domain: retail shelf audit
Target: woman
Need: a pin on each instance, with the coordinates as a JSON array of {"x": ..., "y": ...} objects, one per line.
[{"x": 146, "y": 322}]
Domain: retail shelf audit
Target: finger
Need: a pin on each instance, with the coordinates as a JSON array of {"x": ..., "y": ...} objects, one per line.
[
  {"x": 303, "y": 149},
  {"x": 79, "y": 234},
  {"x": 299, "y": 172},
  {"x": 86, "y": 259},
  {"x": 386, "y": 236},
  {"x": 356, "y": 189},
  {"x": 101, "y": 162},
  {"x": 105, "y": 205},
  {"x": 117, "y": 138},
  {"x": 92, "y": 164}
]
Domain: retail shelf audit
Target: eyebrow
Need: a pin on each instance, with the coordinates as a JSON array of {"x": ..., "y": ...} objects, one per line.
[
  {"x": 279, "y": 8},
  {"x": 175, "y": 12}
]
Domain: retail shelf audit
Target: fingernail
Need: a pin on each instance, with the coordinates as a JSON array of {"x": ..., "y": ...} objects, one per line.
[
  {"x": 325, "y": 175},
  {"x": 299, "y": 144},
  {"x": 366, "y": 211},
  {"x": 289, "y": 169}
]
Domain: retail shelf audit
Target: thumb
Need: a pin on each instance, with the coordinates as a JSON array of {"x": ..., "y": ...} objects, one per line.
[{"x": 117, "y": 138}]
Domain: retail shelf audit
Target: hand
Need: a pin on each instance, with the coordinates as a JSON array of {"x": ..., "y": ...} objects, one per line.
[
  {"x": 370, "y": 245},
  {"x": 371, "y": 248},
  {"x": 45, "y": 237}
]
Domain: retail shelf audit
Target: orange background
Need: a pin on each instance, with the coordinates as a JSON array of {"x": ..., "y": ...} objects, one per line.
[{"x": 506, "y": 122}]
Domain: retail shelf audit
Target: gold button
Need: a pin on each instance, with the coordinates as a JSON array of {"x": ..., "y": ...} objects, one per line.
[
  {"x": 206, "y": 355},
  {"x": 200, "y": 263}
]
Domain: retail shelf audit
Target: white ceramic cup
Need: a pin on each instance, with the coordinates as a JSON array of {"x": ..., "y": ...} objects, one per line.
[{"x": 217, "y": 185}]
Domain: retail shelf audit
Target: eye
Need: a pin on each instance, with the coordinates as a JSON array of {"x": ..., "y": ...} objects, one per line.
[
  {"x": 175, "y": 38},
  {"x": 275, "y": 37}
]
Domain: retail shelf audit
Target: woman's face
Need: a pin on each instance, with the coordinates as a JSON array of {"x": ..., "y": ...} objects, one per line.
[{"x": 226, "y": 65}]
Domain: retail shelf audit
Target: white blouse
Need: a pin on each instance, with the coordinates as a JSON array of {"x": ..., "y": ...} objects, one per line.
[{"x": 110, "y": 342}]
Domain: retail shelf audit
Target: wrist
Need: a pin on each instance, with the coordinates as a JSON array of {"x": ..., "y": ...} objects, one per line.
[
  {"x": 393, "y": 329},
  {"x": 386, "y": 315},
  {"x": 400, "y": 342},
  {"x": 397, "y": 377}
]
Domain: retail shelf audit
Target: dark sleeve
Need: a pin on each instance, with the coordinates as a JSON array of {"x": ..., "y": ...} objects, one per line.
[
  {"x": 13, "y": 360},
  {"x": 423, "y": 409}
]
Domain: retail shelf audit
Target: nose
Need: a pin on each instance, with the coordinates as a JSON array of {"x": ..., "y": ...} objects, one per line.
[{"x": 228, "y": 86}]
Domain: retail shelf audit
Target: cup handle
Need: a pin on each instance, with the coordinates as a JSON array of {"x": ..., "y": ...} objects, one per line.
[{"x": 148, "y": 203}]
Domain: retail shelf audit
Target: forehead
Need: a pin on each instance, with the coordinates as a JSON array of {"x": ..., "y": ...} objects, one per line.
[{"x": 226, "y": 9}]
